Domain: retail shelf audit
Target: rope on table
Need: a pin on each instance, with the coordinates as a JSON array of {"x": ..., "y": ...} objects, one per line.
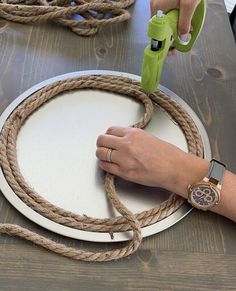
[
  {"x": 127, "y": 220},
  {"x": 84, "y": 17}
]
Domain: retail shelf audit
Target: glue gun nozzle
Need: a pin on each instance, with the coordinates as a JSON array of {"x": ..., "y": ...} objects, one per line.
[{"x": 159, "y": 13}]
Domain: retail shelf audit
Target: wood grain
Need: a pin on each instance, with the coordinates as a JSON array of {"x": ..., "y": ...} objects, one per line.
[
  {"x": 146, "y": 270},
  {"x": 199, "y": 252}
]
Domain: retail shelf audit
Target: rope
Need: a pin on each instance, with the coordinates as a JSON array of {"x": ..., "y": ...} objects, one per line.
[
  {"x": 84, "y": 17},
  {"x": 127, "y": 220}
]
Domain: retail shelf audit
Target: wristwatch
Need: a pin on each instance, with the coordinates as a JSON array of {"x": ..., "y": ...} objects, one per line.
[{"x": 206, "y": 193}]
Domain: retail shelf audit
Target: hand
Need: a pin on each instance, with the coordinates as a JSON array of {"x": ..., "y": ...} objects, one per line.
[
  {"x": 140, "y": 157},
  {"x": 186, "y": 11}
]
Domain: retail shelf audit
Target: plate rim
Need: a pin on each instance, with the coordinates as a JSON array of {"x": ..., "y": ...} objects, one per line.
[{"x": 66, "y": 231}]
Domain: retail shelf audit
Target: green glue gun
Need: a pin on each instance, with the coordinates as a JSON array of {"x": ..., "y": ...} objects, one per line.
[{"x": 163, "y": 31}]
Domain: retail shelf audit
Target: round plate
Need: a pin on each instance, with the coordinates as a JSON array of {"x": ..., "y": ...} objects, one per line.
[{"x": 56, "y": 155}]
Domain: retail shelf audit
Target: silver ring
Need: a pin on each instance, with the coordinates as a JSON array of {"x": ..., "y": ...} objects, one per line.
[{"x": 108, "y": 155}]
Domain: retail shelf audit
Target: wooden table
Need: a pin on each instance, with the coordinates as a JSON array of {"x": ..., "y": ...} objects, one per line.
[{"x": 198, "y": 253}]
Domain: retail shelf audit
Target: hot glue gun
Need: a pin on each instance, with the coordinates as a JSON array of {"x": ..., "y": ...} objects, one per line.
[{"x": 163, "y": 31}]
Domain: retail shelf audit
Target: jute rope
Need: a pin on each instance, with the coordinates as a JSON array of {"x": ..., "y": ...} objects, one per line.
[
  {"x": 127, "y": 220},
  {"x": 84, "y": 17}
]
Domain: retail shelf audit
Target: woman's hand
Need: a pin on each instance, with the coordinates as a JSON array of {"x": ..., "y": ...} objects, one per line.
[
  {"x": 186, "y": 11},
  {"x": 140, "y": 157}
]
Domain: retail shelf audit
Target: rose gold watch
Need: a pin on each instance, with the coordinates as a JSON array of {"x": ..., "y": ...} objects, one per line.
[{"x": 206, "y": 193}]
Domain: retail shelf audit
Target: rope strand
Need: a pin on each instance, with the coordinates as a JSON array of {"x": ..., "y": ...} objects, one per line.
[
  {"x": 84, "y": 17},
  {"x": 127, "y": 220}
]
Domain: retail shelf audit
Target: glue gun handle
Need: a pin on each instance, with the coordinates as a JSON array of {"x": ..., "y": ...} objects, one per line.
[{"x": 197, "y": 24}]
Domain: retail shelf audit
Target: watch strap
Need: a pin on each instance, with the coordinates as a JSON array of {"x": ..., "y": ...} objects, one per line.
[{"x": 216, "y": 172}]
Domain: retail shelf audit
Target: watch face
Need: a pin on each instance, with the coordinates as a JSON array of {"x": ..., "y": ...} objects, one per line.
[{"x": 204, "y": 196}]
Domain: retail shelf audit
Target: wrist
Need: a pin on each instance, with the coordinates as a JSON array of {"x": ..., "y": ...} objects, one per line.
[{"x": 190, "y": 170}]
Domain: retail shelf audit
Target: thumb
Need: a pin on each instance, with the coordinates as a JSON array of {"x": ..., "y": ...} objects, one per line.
[{"x": 187, "y": 8}]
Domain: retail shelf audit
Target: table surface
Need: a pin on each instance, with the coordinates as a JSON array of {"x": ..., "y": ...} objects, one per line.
[{"x": 199, "y": 252}]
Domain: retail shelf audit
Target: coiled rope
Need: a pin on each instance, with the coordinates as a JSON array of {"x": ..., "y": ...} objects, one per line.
[
  {"x": 84, "y": 17},
  {"x": 127, "y": 220}
]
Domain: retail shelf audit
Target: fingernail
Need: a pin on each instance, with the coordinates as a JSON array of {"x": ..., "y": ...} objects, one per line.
[{"x": 184, "y": 37}]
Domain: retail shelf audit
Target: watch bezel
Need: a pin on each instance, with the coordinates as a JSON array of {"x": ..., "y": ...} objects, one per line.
[{"x": 213, "y": 187}]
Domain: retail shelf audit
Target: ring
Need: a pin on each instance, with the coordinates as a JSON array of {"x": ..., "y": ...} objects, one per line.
[{"x": 108, "y": 155}]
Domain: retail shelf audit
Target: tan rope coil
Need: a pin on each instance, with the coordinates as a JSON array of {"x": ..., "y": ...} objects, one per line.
[
  {"x": 127, "y": 220},
  {"x": 84, "y": 17}
]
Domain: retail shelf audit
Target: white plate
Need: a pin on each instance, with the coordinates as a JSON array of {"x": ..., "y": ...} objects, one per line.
[{"x": 56, "y": 155}]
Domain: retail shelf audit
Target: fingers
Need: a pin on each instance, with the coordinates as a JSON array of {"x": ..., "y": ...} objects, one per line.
[
  {"x": 112, "y": 138},
  {"x": 108, "y": 141},
  {"x": 172, "y": 53},
  {"x": 110, "y": 168},
  {"x": 117, "y": 131},
  {"x": 104, "y": 155},
  {"x": 187, "y": 8}
]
